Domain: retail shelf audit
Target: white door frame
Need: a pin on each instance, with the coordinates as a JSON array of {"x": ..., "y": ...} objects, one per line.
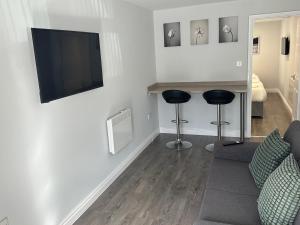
[{"x": 252, "y": 20}]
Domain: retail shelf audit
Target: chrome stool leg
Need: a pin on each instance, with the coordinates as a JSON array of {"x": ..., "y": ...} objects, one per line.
[
  {"x": 211, "y": 147},
  {"x": 218, "y": 98},
  {"x": 178, "y": 144}
]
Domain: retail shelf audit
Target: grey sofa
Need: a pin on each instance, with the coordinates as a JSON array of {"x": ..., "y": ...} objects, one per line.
[{"x": 230, "y": 196}]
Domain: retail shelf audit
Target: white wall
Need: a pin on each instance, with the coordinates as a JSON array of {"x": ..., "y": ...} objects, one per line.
[
  {"x": 287, "y": 62},
  {"x": 266, "y": 63},
  {"x": 53, "y": 155},
  {"x": 208, "y": 62}
]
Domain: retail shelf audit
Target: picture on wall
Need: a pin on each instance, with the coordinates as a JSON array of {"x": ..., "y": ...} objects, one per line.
[
  {"x": 172, "y": 36},
  {"x": 228, "y": 29},
  {"x": 256, "y": 45},
  {"x": 199, "y": 32}
]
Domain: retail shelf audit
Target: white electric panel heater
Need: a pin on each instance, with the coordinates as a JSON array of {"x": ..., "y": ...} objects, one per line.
[{"x": 119, "y": 129}]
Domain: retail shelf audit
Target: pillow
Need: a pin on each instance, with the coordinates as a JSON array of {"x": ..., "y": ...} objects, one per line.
[
  {"x": 254, "y": 76},
  {"x": 279, "y": 199},
  {"x": 268, "y": 157}
]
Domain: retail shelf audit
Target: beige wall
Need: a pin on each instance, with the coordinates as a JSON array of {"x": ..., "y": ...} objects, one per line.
[
  {"x": 266, "y": 62},
  {"x": 287, "y": 62}
]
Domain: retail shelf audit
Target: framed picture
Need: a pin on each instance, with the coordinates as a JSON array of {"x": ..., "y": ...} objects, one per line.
[
  {"x": 199, "y": 32},
  {"x": 172, "y": 36},
  {"x": 228, "y": 29},
  {"x": 256, "y": 45}
]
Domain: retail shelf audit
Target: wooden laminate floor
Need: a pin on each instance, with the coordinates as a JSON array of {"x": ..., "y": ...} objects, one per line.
[
  {"x": 276, "y": 115},
  {"x": 160, "y": 187}
]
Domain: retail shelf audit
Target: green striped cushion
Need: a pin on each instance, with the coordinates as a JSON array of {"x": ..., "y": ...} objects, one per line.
[
  {"x": 279, "y": 199},
  {"x": 268, "y": 157}
]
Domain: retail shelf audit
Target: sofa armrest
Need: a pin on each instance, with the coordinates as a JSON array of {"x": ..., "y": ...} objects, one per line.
[{"x": 242, "y": 152}]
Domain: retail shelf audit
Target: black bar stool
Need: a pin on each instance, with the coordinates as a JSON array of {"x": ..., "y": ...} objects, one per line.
[
  {"x": 177, "y": 97},
  {"x": 218, "y": 97}
]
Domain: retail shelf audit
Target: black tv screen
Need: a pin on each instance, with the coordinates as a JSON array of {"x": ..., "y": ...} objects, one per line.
[
  {"x": 285, "y": 46},
  {"x": 68, "y": 62}
]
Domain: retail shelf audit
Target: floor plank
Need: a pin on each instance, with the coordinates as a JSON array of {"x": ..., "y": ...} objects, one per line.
[
  {"x": 276, "y": 115},
  {"x": 160, "y": 187}
]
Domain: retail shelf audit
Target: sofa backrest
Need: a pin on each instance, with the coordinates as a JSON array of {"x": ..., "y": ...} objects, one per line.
[
  {"x": 292, "y": 136},
  {"x": 297, "y": 219}
]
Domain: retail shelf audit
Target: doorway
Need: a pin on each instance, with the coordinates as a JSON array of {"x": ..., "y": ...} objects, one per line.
[{"x": 274, "y": 69}]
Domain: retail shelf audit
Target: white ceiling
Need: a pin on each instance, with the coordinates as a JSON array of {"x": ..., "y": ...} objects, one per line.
[{"x": 165, "y": 4}]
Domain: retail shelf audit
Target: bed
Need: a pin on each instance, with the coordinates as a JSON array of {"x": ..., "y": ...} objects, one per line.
[{"x": 259, "y": 96}]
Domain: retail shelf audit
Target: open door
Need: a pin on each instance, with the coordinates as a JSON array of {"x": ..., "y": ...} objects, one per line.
[
  {"x": 296, "y": 75},
  {"x": 289, "y": 73}
]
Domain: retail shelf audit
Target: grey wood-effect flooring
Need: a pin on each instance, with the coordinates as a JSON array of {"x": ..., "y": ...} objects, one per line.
[
  {"x": 161, "y": 186},
  {"x": 276, "y": 115}
]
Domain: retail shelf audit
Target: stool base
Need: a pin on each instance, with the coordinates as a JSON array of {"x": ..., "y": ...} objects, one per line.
[
  {"x": 210, "y": 147},
  {"x": 179, "y": 146}
]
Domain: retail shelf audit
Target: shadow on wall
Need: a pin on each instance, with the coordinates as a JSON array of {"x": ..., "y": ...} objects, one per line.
[
  {"x": 21, "y": 114},
  {"x": 112, "y": 55},
  {"x": 102, "y": 9},
  {"x": 23, "y": 119},
  {"x": 85, "y": 16},
  {"x": 17, "y": 16}
]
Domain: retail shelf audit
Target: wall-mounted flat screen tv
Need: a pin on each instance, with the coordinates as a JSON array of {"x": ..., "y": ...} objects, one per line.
[
  {"x": 285, "y": 46},
  {"x": 68, "y": 62}
]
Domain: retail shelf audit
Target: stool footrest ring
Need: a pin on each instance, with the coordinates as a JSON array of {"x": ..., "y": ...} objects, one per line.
[
  {"x": 222, "y": 123},
  {"x": 181, "y": 121}
]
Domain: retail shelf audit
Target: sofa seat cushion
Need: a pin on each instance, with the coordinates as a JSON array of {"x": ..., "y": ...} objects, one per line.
[
  {"x": 242, "y": 152},
  {"x": 231, "y": 176},
  {"x": 229, "y": 208},
  {"x": 297, "y": 219}
]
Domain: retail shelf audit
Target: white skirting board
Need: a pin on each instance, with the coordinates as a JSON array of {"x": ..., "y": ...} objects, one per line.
[
  {"x": 195, "y": 131},
  {"x": 94, "y": 195}
]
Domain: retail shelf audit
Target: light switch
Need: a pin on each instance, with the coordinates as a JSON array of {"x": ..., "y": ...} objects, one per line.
[{"x": 239, "y": 63}]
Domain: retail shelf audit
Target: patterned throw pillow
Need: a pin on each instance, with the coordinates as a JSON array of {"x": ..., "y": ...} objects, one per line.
[
  {"x": 268, "y": 157},
  {"x": 279, "y": 200}
]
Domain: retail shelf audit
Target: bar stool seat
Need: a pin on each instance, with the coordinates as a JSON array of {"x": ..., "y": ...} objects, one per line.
[
  {"x": 177, "y": 97},
  {"x": 218, "y": 97}
]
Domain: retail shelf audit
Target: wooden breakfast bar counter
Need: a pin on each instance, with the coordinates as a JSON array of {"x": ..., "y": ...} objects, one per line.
[{"x": 238, "y": 87}]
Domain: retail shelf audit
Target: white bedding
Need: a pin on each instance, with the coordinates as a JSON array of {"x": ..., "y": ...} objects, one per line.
[{"x": 259, "y": 93}]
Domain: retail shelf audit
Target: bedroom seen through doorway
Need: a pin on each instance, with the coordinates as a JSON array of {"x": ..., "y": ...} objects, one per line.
[{"x": 275, "y": 74}]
